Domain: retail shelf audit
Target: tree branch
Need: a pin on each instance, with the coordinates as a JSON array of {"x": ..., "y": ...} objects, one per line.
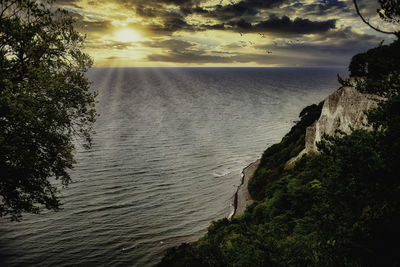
[{"x": 366, "y": 22}]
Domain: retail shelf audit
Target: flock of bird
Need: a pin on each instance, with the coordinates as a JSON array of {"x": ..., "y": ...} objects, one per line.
[
  {"x": 252, "y": 43},
  {"x": 244, "y": 43}
]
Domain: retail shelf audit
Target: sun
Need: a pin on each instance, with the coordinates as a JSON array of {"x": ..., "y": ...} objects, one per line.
[{"x": 127, "y": 35}]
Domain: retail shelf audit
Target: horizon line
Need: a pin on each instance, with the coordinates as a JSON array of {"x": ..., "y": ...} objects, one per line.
[{"x": 221, "y": 67}]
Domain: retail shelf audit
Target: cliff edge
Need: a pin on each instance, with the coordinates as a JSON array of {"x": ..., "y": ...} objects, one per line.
[{"x": 343, "y": 110}]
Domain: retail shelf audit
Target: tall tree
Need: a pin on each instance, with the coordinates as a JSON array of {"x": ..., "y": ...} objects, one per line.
[{"x": 45, "y": 104}]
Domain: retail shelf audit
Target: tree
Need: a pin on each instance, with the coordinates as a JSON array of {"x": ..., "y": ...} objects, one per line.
[
  {"x": 389, "y": 12},
  {"x": 377, "y": 71},
  {"x": 45, "y": 104}
]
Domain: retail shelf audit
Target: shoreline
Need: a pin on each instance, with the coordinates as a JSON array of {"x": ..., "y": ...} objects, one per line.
[{"x": 242, "y": 197}]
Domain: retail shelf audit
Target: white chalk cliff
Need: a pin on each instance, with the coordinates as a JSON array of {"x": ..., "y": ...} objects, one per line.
[{"x": 342, "y": 110}]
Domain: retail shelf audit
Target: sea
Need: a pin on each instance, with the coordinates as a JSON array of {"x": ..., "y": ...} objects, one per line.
[{"x": 167, "y": 156}]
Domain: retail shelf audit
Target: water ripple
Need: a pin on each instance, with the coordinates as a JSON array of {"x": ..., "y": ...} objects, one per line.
[{"x": 169, "y": 148}]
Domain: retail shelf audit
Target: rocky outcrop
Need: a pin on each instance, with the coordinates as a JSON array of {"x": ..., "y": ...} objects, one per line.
[{"x": 342, "y": 110}]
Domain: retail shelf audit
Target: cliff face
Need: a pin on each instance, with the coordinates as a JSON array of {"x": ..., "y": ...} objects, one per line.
[{"x": 342, "y": 110}]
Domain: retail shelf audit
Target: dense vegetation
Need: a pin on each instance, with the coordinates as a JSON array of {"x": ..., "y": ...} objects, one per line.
[
  {"x": 337, "y": 208},
  {"x": 45, "y": 103},
  {"x": 274, "y": 158},
  {"x": 377, "y": 71}
]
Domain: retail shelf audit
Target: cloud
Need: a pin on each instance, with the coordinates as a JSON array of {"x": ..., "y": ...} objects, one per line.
[
  {"x": 84, "y": 25},
  {"x": 71, "y": 3},
  {"x": 321, "y": 8},
  {"x": 112, "y": 58},
  {"x": 305, "y": 32},
  {"x": 181, "y": 2},
  {"x": 277, "y": 60},
  {"x": 168, "y": 27},
  {"x": 332, "y": 48},
  {"x": 285, "y": 25},
  {"x": 109, "y": 44},
  {"x": 231, "y": 17},
  {"x": 237, "y": 10},
  {"x": 188, "y": 57},
  {"x": 336, "y": 46},
  {"x": 171, "y": 44}
]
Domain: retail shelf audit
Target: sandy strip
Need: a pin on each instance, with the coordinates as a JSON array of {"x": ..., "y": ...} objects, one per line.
[{"x": 242, "y": 197}]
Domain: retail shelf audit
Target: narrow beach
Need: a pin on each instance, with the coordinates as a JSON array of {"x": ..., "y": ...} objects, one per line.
[{"x": 242, "y": 197}]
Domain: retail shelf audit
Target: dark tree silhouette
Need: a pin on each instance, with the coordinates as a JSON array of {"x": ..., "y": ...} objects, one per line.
[
  {"x": 389, "y": 11},
  {"x": 45, "y": 104}
]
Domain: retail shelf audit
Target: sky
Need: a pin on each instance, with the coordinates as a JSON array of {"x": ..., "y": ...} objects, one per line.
[{"x": 225, "y": 33}]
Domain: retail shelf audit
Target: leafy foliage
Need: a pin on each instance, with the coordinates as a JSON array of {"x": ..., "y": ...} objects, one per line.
[
  {"x": 45, "y": 103},
  {"x": 337, "y": 208},
  {"x": 377, "y": 71},
  {"x": 274, "y": 158},
  {"x": 390, "y": 10}
]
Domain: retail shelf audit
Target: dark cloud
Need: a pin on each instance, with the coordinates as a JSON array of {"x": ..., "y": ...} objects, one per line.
[
  {"x": 334, "y": 45},
  {"x": 157, "y": 4},
  {"x": 162, "y": 21},
  {"x": 345, "y": 34},
  {"x": 181, "y": 2},
  {"x": 241, "y": 9},
  {"x": 94, "y": 26},
  {"x": 188, "y": 57},
  {"x": 147, "y": 12},
  {"x": 323, "y": 7},
  {"x": 243, "y": 16},
  {"x": 71, "y": 3},
  {"x": 285, "y": 25},
  {"x": 111, "y": 45},
  {"x": 172, "y": 44},
  {"x": 236, "y": 45},
  {"x": 274, "y": 25},
  {"x": 113, "y": 58},
  {"x": 231, "y": 17},
  {"x": 169, "y": 26},
  {"x": 332, "y": 48},
  {"x": 288, "y": 60},
  {"x": 205, "y": 27},
  {"x": 291, "y": 23},
  {"x": 84, "y": 25}
]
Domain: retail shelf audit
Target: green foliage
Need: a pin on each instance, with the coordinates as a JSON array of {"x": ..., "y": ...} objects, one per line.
[
  {"x": 337, "y": 208},
  {"x": 45, "y": 103},
  {"x": 390, "y": 10},
  {"x": 274, "y": 158},
  {"x": 358, "y": 65},
  {"x": 377, "y": 70}
]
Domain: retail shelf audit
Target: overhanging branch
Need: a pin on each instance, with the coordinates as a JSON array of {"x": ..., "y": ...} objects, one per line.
[{"x": 366, "y": 22}]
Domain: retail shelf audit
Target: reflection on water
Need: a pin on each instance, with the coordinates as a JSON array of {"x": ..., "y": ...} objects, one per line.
[{"x": 168, "y": 152}]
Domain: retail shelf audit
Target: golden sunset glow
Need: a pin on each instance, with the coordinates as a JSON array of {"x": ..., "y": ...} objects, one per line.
[
  {"x": 276, "y": 33},
  {"x": 127, "y": 35}
]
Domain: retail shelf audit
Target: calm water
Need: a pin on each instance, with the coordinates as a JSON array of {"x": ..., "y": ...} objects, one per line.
[{"x": 167, "y": 155}]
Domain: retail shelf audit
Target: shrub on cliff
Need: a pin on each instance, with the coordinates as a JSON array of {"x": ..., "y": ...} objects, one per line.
[
  {"x": 377, "y": 70},
  {"x": 338, "y": 208},
  {"x": 274, "y": 158}
]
